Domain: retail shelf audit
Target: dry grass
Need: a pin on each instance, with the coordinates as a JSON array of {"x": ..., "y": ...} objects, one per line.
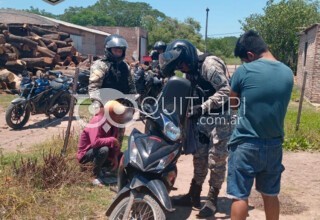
[{"x": 42, "y": 184}]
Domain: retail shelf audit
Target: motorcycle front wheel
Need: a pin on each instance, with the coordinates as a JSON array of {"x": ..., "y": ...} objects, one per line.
[
  {"x": 144, "y": 207},
  {"x": 17, "y": 115},
  {"x": 63, "y": 106}
]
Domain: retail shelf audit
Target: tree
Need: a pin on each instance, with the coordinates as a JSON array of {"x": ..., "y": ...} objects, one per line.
[
  {"x": 280, "y": 24},
  {"x": 133, "y": 14},
  {"x": 170, "y": 29},
  {"x": 223, "y": 47},
  {"x": 40, "y": 12},
  {"x": 111, "y": 13},
  {"x": 87, "y": 16}
]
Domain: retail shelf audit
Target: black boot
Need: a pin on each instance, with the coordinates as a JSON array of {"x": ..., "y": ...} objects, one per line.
[
  {"x": 210, "y": 207},
  {"x": 192, "y": 198}
]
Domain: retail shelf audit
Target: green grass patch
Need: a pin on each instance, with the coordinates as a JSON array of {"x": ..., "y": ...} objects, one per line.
[
  {"x": 308, "y": 135},
  {"x": 232, "y": 60},
  {"x": 295, "y": 95},
  {"x": 5, "y": 100}
]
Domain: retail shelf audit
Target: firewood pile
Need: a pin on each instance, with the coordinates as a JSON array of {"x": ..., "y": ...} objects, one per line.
[
  {"x": 26, "y": 47},
  {"x": 32, "y": 47}
]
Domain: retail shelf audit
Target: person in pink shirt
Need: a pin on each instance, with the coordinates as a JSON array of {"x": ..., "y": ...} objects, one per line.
[{"x": 98, "y": 143}]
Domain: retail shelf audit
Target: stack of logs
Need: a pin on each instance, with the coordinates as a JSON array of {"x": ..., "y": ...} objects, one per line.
[
  {"x": 35, "y": 47},
  {"x": 26, "y": 47}
]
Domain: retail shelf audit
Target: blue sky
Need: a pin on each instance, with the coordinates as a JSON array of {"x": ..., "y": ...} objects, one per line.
[{"x": 224, "y": 15}]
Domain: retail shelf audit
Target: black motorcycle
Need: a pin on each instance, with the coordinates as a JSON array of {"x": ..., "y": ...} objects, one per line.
[
  {"x": 83, "y": 82},
  {"x": 40, "y": 96},
  {"x": 147, "y": 171}
]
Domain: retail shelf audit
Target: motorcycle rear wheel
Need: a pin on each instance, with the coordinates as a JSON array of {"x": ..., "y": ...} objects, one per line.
[
  {"x": 17, "y": 115},
  {"x": 144, "y": 207}
]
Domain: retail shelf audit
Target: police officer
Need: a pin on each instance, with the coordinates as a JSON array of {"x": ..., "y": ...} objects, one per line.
[
  {"x": 158, "y": 48},
  {"x": 210, "y": 114},
  {"x": 111, "y": 72}
]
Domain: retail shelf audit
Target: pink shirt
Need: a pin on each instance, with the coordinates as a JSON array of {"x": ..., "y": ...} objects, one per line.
[{"x": 98, "y": 137}]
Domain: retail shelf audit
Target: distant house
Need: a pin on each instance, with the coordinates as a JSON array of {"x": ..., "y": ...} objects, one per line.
[
  {"x": 309, "y": 60},
  {"x": 136, "y": 37},
  {"x": 86, "y": 40}
]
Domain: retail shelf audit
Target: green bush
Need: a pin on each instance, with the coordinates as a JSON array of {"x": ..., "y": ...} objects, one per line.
[{"x": 298, "y": 143}]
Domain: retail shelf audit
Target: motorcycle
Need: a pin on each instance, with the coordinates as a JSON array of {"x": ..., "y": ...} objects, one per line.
[
  {"x": 148, "y": 170},
  {"x": 40, "y": 96}
]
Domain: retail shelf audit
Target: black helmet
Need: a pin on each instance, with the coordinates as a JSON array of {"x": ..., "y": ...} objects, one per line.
[
  {"x": 115, "y": 40},
  {"x": 178, "y": 51},
  {"x": 154, "y": 55},
  {"x": 160, "y": 45}
]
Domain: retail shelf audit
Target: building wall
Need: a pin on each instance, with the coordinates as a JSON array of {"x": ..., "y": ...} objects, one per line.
[
  {"x": 132, "y": 36},
  {"x": 88, "y": 39},
  {"x": 100, "y": 44},
  {"x": 311, "y": 64},
  {"x": 315, "y": 97}
]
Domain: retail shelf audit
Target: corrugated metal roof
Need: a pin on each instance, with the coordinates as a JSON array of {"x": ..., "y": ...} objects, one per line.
[
  {"x": 11, "y": 16},
  {"x": 310, "y": 27},
  {"x": 77, "y": 26}
]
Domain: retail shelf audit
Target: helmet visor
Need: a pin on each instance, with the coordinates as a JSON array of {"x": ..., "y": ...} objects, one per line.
[{"x": 168, "y": 61}]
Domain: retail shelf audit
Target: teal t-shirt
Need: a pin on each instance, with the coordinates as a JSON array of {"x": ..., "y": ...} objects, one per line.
[{"x": 264, "y": 87}]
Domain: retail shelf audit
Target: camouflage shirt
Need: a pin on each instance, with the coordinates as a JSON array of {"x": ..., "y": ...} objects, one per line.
[
  {"x": 214, "y": 71},
  {"x": 105, "y": 74}
]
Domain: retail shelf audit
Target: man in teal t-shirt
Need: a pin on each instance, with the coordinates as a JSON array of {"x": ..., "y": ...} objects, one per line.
[{"x": 261, "y": 87}]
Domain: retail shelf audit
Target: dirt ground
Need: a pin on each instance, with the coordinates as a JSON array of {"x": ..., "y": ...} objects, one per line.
[
  {"x": 299, "y": 197},
  {"x": 300, "y": 192},
  {"x": 38, "y": 129}
]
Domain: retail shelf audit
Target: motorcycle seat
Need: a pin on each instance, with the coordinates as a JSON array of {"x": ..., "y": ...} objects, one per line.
[{"x": 56, "y": 83}]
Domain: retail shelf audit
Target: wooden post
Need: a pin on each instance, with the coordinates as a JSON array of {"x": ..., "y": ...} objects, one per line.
[
  {"x": 301, "y": 100},
  {"x": 74, "y": 91},
  {"x": 90, "y": 59}
]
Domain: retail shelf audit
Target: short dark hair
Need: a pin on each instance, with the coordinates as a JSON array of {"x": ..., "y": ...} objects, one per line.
[{"x": 252, "y": 42}]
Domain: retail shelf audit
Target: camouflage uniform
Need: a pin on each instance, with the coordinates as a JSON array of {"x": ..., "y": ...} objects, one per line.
[
  {"x": 214, "y": 128},
  {"x": 120, "y": 77}
]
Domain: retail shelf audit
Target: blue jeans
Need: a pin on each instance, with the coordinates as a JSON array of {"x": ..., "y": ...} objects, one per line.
[{"x": 259, "y": 159}]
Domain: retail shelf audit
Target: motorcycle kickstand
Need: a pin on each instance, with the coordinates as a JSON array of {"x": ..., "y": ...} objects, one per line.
[
  {"x": 128, "y": 208},
  {"x": 49, "y": 117}
]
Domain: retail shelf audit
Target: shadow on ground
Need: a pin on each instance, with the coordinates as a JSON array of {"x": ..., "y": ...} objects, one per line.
[
  {"x": 224, "y": 205},
  {"x": 44, "y": 123},
  {"x": 289, "y": 205}
]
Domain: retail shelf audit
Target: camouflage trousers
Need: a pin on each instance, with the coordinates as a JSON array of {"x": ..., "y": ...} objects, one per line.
[
  {"x": 212, "y": 152},
  {"x": 121, "y": 135}
]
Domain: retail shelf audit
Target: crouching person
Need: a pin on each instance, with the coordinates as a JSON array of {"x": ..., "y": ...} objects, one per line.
[{"x": 99, "y": 144}]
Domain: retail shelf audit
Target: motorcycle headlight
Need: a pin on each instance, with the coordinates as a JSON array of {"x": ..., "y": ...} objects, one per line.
[
  {"x": 23, "y": 87},
  {"x": 164, "y": 162},
  {"x": 133, "y": 150},
  {"x": 170, "y": 129}
]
